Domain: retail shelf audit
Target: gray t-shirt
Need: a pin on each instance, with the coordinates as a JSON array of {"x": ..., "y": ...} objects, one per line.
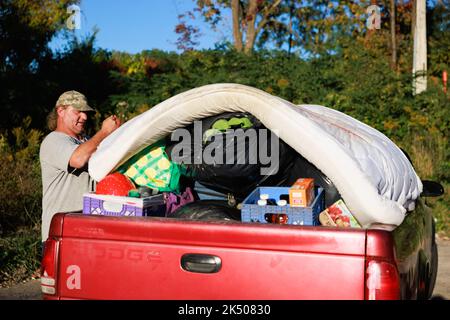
[{"x": 63, "y": 186}]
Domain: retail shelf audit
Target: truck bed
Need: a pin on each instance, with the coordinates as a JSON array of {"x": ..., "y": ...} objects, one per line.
[{"x": 162, "y": 258}]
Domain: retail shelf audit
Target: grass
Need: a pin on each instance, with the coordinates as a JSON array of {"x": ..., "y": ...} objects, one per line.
[
  {"x": 20, "y": 256},
  {"x": 441, "y": 209},
  {"x": 428, "y": 153}
]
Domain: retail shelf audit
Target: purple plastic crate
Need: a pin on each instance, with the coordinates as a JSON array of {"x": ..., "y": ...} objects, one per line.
[{"x": 124, "y": 206}]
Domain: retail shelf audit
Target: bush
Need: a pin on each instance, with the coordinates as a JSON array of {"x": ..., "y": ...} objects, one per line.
[
  {"x": 20, "y": 204},
  {"x": 21, "y": 192},
  {"x": 20, "y": 255}
]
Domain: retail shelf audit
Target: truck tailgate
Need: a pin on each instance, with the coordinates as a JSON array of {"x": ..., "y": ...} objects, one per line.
[{"x": 142, "y": 258}]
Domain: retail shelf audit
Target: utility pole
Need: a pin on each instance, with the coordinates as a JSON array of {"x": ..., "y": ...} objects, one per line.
[{"x": 420, "y": 47}]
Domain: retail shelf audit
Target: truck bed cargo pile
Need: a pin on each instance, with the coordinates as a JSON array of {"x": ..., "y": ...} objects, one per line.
[
  {"x": 351, "y": 161},
  {"x": 372, "y": 175},
  {"x": 132, "y": 189}
]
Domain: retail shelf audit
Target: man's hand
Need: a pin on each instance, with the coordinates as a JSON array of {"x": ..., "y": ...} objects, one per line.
[
  {"x": 110, "y": 124},
  {"x": 81, "y": 155}
]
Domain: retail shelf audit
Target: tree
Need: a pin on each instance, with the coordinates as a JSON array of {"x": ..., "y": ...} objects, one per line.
[
  {"x": 26, "y": 28},
  {"x": 438, "y": 26},
  {"x": 309, "y": 25},
  {"x": 187, "y": 34},
  {"x": 249, "y": 18}
]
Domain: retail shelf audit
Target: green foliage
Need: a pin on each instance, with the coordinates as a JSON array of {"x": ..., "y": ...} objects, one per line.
[
  {"x": 440, "y": 208},
  {"x": 26, "y": 26},
  {"x": 438, "y": 27},
  {"x": 80, "y": 67},
  {"x": 21, "y": 191},
  {"x": 20, "y": 255},
  {"x": 20, "y": 203}
]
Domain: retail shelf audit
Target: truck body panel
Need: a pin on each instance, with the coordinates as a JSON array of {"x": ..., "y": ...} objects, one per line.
[
  {"x": 257, "y": 262},
  {"x": 101, "y": 257}
]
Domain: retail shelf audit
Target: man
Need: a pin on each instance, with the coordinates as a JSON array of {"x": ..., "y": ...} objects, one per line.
[{"x": 64, "y": 155}]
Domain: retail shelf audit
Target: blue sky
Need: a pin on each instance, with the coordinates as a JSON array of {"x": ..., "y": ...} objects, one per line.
[{"x": 136, "y": 25}]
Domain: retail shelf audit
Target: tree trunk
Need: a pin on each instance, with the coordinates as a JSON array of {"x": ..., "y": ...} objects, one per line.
[
  {"x": 237, "y": 34},
  {"x": 393, "y": 38},
  {"x": 250, "y": 20},
  {"x": 413, "y": 18},
  {"x": 248, "y": 24}
]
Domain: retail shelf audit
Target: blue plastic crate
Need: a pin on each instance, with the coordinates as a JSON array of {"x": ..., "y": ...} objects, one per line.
[{"x": 308, "y": 216}]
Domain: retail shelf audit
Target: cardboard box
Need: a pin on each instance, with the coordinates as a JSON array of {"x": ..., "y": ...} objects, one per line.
[
  {"x": 338, "y": 215},
  {"x": 301, "y": 193}
]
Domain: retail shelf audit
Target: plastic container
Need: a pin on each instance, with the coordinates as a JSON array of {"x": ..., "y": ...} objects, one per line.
[
  {"x": 252, "y": 212},
  {"x": 124, "y": 206},
  {"x": 281, "y": 203},
  {"x": 264, "y": 196},
  {"x": 262, "y": 202}
]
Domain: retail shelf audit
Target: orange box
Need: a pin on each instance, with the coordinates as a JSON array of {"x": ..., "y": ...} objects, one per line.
[{"x": 301, "y": 194}]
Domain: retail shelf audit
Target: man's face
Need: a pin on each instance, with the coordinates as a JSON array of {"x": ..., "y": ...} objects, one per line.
[{"x": 73, "y": 120}]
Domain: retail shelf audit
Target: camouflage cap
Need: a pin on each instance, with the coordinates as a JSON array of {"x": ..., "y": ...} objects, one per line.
[{"x": 74, "y": 99}]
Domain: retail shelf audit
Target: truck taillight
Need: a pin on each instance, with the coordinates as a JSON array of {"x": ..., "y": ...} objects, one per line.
[
  {"x": 49, "y": 267},
  {"x": 382, "y": 281}
]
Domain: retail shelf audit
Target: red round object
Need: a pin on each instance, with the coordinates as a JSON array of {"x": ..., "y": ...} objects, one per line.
[{"x": 115, "y": 184}]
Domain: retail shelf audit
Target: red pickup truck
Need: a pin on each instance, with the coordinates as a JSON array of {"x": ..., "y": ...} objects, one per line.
[{"x": 101, "y": 257}]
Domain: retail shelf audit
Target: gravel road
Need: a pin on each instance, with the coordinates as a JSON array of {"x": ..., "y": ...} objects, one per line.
[{"x": 31, "y": 291}]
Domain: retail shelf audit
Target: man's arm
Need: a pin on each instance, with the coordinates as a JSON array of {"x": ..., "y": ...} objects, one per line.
[{"x": 81, "y": 155}]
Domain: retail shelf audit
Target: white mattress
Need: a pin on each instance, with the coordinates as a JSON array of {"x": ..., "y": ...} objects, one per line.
[{"x": 373, "y": 176}]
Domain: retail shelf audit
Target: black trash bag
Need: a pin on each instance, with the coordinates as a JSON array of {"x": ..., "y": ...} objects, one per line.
[
  {"x": 239, "y": 169},
  {"x": 241, "y": 179},
  {"x": 207, "y": 210}
]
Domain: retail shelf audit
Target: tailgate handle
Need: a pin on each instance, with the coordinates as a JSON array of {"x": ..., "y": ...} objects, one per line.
[{"x": 201, "y": 263}]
